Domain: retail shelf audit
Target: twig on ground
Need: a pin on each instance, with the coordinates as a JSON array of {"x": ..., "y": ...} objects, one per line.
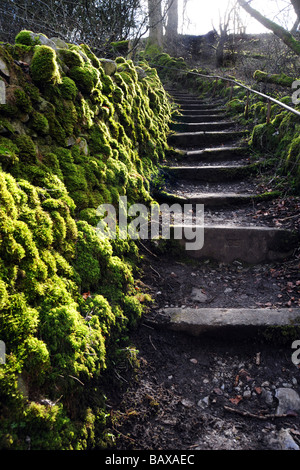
[{"x": 252, "y": 415}]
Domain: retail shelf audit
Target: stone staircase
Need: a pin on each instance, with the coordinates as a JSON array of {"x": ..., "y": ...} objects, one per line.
[{"x": 214, "y": 170}]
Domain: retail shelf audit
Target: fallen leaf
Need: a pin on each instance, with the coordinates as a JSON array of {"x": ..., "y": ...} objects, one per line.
[{"x": 236, "y": 400}]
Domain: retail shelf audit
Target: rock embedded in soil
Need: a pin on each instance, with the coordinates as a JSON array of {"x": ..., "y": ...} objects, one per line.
[{"x": 288, "y": 399}]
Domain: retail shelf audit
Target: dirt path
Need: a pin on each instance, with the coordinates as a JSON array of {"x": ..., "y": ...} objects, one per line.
[{"x": 227, "y": 390}]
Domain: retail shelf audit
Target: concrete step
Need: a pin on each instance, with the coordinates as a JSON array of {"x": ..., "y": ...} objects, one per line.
[
  {"x": 212, "y": 173},
  {"x": 211, "y": 200},
  {"x": 223, "y": 320},
  {"x": 199, "y": 118},
  {"x": 203, "y": 112},
  {"x": 227, "y": 243},
  {"x": 198, "y": 105},
  {"x": 216, "y": 154},
  {"x": 203, "y": 126},
  {"x": 195, "y": 139},
  {"x": 191, "y": 101}
]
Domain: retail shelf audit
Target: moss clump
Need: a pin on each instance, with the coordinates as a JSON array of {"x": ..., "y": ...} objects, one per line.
[
  {"x": 26, "y": 149},
  {"x": 68, "y": 89},
  {"x": 236, "y": 106},
  {"x": 264, "y": 137},
  {"x": 71, "y": 58},
  {"x": 276, "y": 79},
  {"x": 39, "y": 123},
  {"x": 84, "y": 78},
  {"x": 27, "y": 38},
  {"x": 44, "y": 68}
]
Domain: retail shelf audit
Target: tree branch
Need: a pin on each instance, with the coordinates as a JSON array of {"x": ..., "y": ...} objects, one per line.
[{"x": 279, "y": 31}]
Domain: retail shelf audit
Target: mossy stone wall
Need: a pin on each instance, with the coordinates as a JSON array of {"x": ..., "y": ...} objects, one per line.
[{"x": 71, "y": 138}]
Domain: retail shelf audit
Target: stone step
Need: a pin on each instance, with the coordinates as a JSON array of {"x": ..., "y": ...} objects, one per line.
[
  {"x": 228, "y": 243},
  {"x": 197, "y": 321},
  {"x": 203, "y": 126},
  {"x": 212, "y": 173},
  {"x": 216, "y": 154},
  {"x": 199, "y": 118},
  {"x": 198, "y": 106},
  {"x": 190, "y": 101},
  {"x": 211, "y": 200},
  {"x": 195, "y": 139},
  {"x": 203, "y": 112}
]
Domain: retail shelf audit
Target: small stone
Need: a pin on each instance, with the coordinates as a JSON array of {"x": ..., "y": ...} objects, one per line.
[
  {"x": 228, "y": 290},
  {"x": 288, "y": 399},
  {"x": 247, "y": 394},
  {"x": 187, "y": 403},
  {"x": 204, "y": 402},
  {"x": 283, "y": 441},
  {"x": 198, "y": 295},
  {"x": 59, "y": 43},
  {"x": 110, "y": 67},
  {"x": 4, "y": 68},
  {"x": 194, "y": 361}
]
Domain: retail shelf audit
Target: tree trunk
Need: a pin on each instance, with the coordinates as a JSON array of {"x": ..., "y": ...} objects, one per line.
[
  {"x": 172, "y": 21},
  {"x": 282, "y": 33},
  {"x": 155, "y": 23}
]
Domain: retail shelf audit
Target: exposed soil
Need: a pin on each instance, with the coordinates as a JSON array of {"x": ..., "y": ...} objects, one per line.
[{"x": 190, "y": 393}]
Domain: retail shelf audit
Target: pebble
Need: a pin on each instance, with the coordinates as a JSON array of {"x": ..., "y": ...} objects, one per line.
[
  {"x": 204, "y": 402},
  {"x": 228, "y": 290}
]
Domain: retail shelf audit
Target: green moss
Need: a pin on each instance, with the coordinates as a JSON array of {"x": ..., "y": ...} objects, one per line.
[
  {"x": 39, "y": 123},
  {"x": 83, "y": 151},
  {"x": 71, "y": 58},
  {"x": 68, "y": 89},
  {"x": 26, "y": 149},
  {"x": 23, "y": 101},
  {"x": 26, "y": 38},
  {"x": 44, "y": 68},
  {"x": 86, "y": 77},
  {"x": 277, "y": 79},
  {"x": 236, "y": 106}
]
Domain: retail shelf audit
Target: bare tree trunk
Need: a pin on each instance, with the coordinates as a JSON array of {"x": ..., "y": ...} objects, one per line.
[
  {"x": 172, "y": 20},
  {"x": 296, "y": 6},
  {"x": 155, "y": 23},
  {"x": 282, "y": 33}
]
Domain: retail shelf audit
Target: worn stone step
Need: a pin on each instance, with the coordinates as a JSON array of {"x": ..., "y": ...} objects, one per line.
[
  {"x": 216, "y": 154},
  {"x": 195, "y": 139},
  {"x": 199, "y": 118},
  {"x": 212, "y": 173},
  {"x": 204, "y": 126},
  {"x": 197, "y": 321},
  {"x": 190, "y": 101},
  {"x": 212, "y": 200},
  {"x": 198, "y": 106},
  {"x": 227, "y": 243},
  {"x": 203, "y": 112}
]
